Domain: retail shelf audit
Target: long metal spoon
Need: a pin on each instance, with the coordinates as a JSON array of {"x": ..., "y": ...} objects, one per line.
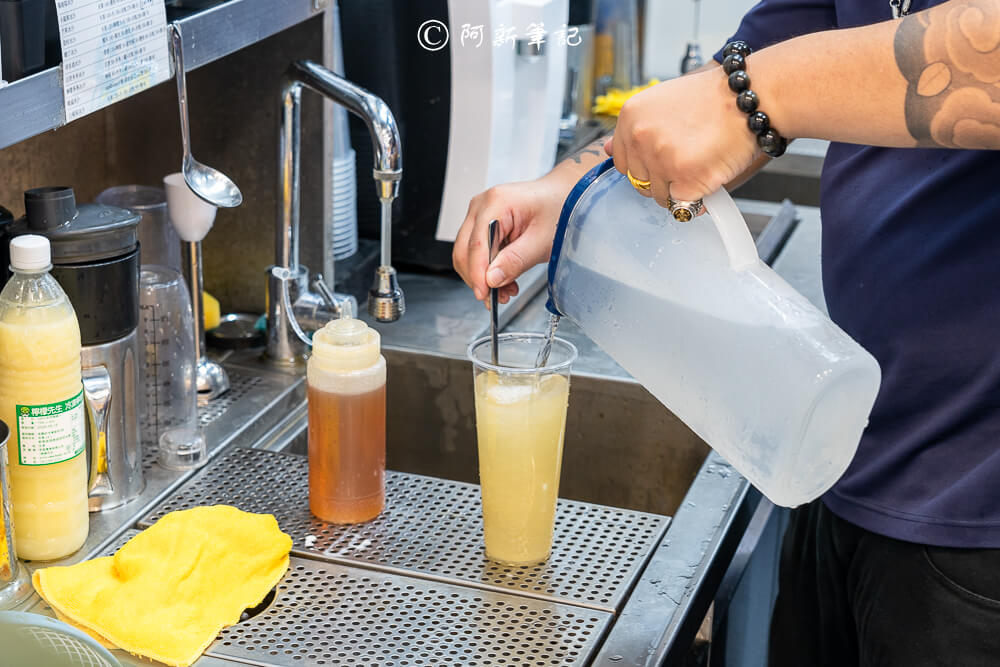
[
  {"x": 494, "y": 248},
  {"x": 210, "y": 184}
]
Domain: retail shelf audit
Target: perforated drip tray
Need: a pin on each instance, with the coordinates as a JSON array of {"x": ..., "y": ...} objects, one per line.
[
  {"x": 431, "y": 528},
  {"x": 330, "y": 614},
  {"x": 240, "y": 385}
]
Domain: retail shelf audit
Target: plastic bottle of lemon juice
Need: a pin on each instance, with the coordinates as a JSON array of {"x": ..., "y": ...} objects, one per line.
[{"x": 41, "y": 397}]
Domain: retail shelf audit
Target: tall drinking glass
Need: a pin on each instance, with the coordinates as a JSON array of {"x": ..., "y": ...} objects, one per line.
[{"x": 520, "y": 421}]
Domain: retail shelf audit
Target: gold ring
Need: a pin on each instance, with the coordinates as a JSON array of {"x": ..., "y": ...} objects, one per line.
[{"x": 636, "y": 183}]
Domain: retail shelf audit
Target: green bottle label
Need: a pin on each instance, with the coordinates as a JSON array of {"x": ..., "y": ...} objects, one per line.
[{"x": 51, "y": 433}]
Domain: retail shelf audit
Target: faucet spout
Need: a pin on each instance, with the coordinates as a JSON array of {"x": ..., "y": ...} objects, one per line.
[
  {"x": 385, "y": 301},
  {"x": 371, "y": 109}
]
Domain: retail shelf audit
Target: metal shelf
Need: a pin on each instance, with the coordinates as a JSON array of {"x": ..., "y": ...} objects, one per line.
[{"x": 34, "y": 104}]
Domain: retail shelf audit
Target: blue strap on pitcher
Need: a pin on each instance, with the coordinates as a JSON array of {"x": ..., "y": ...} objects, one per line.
[{"x": 567, "y": 210}]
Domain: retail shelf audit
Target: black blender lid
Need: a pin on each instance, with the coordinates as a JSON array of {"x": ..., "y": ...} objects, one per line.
[{"x": 77, "y": 233}]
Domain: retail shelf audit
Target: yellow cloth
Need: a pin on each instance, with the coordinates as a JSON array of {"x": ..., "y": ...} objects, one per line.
[
  {"x": 611, "y": 103},
  {"x": 168, "y": 592}
]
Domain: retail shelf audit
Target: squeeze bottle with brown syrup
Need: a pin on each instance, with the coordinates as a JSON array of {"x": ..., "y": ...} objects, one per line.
[{"x": 346, "y": 385}]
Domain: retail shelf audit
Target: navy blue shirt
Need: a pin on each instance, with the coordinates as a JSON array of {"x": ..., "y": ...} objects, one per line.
[{"x": 911, "y": 270}]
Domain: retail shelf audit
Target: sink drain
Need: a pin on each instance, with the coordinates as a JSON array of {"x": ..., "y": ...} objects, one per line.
[{"x": 250, "y": 612}]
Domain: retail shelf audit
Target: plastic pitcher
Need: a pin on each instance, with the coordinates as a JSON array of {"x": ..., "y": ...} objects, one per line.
[{"x": 720, "y": 339}]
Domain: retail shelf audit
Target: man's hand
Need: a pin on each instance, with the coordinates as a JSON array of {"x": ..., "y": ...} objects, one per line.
[
  {"x": 528, "y": 213},
  {"x": 685, "y": 136},
  {"x": 931, "y": 79}
]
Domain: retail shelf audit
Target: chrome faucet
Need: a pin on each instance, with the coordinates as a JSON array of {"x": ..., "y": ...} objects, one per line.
[{"x": 288, "y": 291}]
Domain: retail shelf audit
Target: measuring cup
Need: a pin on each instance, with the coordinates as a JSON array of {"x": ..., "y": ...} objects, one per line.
[
  {"x": 157, "y": 238},
  {"x": 170, "y": 411}
]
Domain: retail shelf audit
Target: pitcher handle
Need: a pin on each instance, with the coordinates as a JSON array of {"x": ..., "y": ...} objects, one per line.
[
  {"x": 733, "y": 229},
  {"x": 97, "y": 396}
]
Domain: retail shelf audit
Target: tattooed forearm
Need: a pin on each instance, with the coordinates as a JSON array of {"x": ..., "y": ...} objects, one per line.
[
  {"x": 950, "y": 57},
  {"x": 595, "y": 147}
]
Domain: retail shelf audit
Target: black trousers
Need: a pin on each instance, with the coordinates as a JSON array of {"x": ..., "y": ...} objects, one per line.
[{"x": 850, "y": 598}]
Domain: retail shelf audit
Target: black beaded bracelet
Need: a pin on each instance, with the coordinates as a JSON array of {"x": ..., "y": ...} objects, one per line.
[{"x": 735, "y": 66}]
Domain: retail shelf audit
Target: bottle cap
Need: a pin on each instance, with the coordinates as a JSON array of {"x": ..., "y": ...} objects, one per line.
[
  {"x": 30, "y": 252},
  {"x": 346, "y": 345},
  {"x": 347, "y": 332}
]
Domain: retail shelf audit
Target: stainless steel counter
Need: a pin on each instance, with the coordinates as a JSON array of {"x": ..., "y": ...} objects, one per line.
[
  {"x": 328, "y": 613},
  {"x": 795, "y": 175},
  {"x": 259, "y": 398},
  {"x": 799, "y": 262},
  {"x": 624, "y": 586}
]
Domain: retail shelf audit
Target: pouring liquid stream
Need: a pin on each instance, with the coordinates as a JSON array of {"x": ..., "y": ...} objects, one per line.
[{"x": 546, "y": 349}]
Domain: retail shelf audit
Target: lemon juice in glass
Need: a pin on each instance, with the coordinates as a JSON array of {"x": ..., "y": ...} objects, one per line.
[{"x": 520, "y": 422}]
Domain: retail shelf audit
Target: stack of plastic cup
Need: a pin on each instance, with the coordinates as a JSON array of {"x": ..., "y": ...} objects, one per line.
[
  {"x": 345, "y": 192},
  {"x": 345, "y": 206}
]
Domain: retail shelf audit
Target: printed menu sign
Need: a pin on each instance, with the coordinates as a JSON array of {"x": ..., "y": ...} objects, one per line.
[{"x": 111, "y": 49}]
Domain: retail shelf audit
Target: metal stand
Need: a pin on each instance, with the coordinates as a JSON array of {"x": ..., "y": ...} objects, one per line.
[{"x": 212, "y": 380}]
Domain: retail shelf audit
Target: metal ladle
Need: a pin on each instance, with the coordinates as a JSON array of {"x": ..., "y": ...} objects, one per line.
[{"x": 210, "y": 184}]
